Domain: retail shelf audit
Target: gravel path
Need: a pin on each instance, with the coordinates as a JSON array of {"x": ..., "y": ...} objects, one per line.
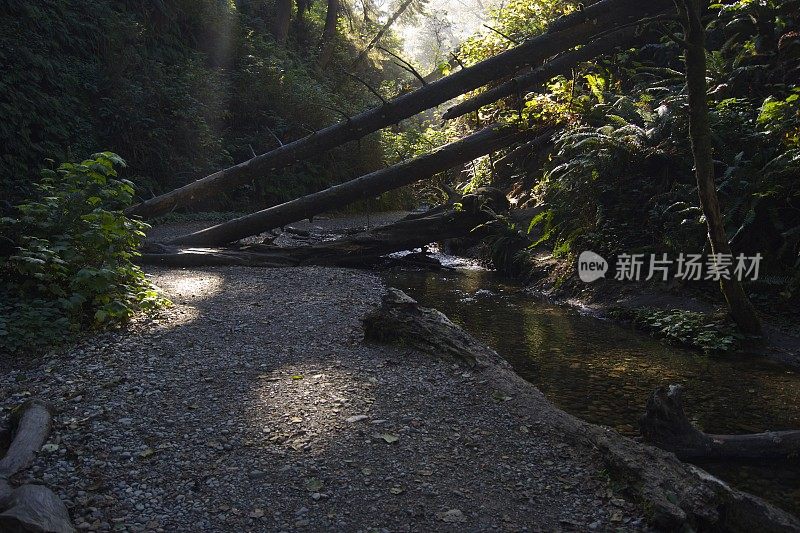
[{"x": 254, "y": 405}]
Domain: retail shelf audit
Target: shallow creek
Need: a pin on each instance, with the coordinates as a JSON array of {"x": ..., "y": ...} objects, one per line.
[{"x": 603, "y": 373}]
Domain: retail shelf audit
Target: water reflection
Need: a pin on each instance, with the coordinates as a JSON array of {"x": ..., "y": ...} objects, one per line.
[{"x": 603, "y": 373}]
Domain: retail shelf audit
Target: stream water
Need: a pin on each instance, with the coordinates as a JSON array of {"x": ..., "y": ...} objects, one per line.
[{"x": 603, "y": 373}]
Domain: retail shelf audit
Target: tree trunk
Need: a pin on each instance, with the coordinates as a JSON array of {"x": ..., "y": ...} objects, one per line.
[
  {"x": 532, "y": 80},
  {"x": 366, "y": 186},
  {"x": 280, "y": 24},
  {"x": 329, "y": 33},
  {"x": 361, "y": 249},
  {"x": 531, "y": 52},
  {"x": 666, "y": 425},
  {"x": 302, "y": 7},
  {"x": 739, "y": 306},
  {"x": 388, "y": 24}
]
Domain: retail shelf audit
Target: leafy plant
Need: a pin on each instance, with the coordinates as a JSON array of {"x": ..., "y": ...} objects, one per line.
[
  {"x": 70, "y": 263},
  {"x": 688, "y": 328}
]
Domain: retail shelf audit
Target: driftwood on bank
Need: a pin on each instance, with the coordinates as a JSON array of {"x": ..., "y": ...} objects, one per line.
[
  {"x": 360, "y": 249},
  {"x": 29, "y": 507},
  {"x": 559, "y": 66},
  {"x": 401, "y": 319},
  {"x": 364, "y": 187},
  {"x": 572, "y": 30},
  {"x": 674, "y": 496},
  {"x": 666, "y": 425}
]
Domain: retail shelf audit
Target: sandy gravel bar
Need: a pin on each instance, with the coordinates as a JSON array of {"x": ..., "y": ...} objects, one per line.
[{"x": 254, "y": 404}]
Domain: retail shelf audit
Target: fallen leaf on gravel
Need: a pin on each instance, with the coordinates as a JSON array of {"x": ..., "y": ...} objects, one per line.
[
  {"x": 453, "y": 516},
  {"x": 144, "y": 454},
  {"x": 356, "y": 418},
  {"x": 295, "y": 420},
  {"x": 297, "y": 376},
  {"x": 500, "y": 396},
  {"x": 388, "y": 437},
  {"x": 313, "y": 484}
]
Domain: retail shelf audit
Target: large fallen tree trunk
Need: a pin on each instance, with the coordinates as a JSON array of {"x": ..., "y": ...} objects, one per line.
[
  {"x": 354, "y": 250},
  {"x": 573, "y": 30},
  {"x": 367, "y": 186},
  {"x": 29, "y": 507},
  {"x": 674, "y": 496},
  {"x": 558, "y": 66},
  {"x": 666, "y": 425}
]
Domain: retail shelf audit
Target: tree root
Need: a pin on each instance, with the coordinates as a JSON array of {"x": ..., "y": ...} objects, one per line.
[{"x": 33, "y": 508}]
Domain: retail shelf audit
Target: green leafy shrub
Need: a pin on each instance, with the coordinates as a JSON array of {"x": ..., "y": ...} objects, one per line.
[
  {"x": 688, "y": 328},
  {"x": 70, "y": 266}
]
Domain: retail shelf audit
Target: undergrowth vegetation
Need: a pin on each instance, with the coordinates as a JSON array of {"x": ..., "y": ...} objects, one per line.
[
  {"x": 67, "y": 262},
  {"x": 708, "y": 333},
  {"x": 617, "y": 175}
]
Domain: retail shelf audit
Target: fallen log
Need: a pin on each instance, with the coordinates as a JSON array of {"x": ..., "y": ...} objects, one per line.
[
  {"x": 361, "y": 249},
  {"x": 401, "y": 319},
  {"x": 526, "y": 149},
  {"x": 29, "y": 507},
  {"x": 666, "y": 425},
  {"x": 674, "y": 496},
  {"x": 574, "y": 29},
  {"x": 367, "y": 186},
  {"x": 559, "y": 66}
]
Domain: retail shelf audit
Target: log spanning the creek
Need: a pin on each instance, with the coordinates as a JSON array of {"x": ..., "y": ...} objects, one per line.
[
  {"x": 535, "y": 78},
  {"x": 367, "y": 186},
  {"x": 666, "y": 425},
  {"x": 360, "y": 249},
  {"x": 565, "y": 33}
]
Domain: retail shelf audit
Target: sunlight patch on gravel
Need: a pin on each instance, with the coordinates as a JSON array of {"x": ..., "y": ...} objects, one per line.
[
  {"x": 192, "y": 285},
  {"x": 309, "y": 408}
]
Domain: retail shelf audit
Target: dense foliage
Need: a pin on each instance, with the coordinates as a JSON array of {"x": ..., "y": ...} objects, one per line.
[
  {"x": 617, "y": 176},
  {"x": 179, "y": 88},
  {"x": 69, "y": 256}
]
